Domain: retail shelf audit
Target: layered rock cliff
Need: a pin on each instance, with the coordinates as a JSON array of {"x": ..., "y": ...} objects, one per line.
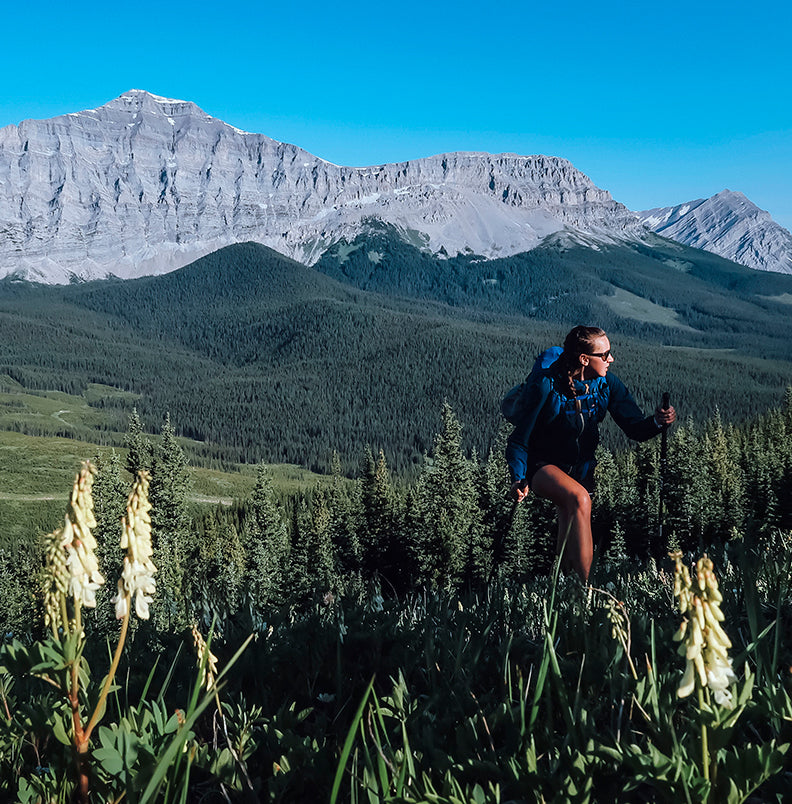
[{"x": 146, "y": 184}]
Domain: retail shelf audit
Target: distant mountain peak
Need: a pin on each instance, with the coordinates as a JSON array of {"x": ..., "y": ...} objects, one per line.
[
  {"x": 143, "y": 96},
  {"x": 727, "y": 224},
  {"x": 137, "y": 100}
]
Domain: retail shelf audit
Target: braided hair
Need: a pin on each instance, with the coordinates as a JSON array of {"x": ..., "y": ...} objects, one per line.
[{"x": 580, "y": 341}]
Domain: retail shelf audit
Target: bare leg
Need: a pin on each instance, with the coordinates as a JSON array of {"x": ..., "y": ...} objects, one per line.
[{"x": 574, "y": 516}]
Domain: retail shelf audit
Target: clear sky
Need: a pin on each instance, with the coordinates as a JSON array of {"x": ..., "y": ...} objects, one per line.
[{"x": 659, "y": 103}]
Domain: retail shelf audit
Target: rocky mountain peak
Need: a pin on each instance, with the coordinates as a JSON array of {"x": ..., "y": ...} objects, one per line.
[
  {"x": 146, "y": 184},
  {"x": 137, "y": 101},
  {"x": 727, "y": 224}
]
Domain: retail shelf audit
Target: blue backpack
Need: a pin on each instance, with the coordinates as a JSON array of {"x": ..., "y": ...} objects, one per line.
[{"x": 511, "y": 406}]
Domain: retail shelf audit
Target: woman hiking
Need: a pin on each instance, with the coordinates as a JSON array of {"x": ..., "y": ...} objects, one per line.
[{"x": 556, "y": 414}]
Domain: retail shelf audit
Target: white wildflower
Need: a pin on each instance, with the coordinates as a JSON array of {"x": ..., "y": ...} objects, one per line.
[
  {"x": 704, "y": 643},
  {"x": 79, "y": 542},
  {"x": 137, "y": 575}
]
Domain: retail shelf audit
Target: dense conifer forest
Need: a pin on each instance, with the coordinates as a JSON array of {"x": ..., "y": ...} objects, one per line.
[
  {"x": 450, "y": 528},
  {"x": 261, "y": 358}
]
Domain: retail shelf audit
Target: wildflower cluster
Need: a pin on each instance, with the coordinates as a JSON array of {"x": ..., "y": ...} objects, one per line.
[
  {"x": 71, "y": 567},
  {"x": 55, "y": 582},
  {"x": 705, "y": 644},
  {"x": 617, "y": 617},
  {"x": 137, "y": 574}
]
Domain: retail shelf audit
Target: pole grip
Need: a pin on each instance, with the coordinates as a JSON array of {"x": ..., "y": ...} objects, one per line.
[{"x": 666, "y": 401}]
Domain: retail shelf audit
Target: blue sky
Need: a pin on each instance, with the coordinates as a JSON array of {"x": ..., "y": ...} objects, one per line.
[{"x": 657, "y": 103}]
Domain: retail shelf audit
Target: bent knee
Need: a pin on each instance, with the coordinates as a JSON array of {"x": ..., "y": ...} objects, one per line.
[{"x": 577, "y": 500}]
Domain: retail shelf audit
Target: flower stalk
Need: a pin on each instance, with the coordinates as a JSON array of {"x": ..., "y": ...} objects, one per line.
[
  {"x": 136, "y": 579},
  {"x": 703, "y": 643},
  {"x": 620, "y": 626},
  {"x": 70, "y": 580}
]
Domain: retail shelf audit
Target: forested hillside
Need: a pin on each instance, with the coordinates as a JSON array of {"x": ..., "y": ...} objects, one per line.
[
  {"x": 660, "y": 290},
  {"x": 261, "y": 358}
]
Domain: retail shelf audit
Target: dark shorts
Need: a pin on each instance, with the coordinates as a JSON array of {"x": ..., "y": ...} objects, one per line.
[{"x": 583, "y": 473}]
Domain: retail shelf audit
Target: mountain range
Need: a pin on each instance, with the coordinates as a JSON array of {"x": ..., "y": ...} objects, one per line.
[{"x": 145, "y": 185}]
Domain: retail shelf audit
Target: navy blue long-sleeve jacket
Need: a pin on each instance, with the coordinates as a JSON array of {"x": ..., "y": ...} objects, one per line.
[{"x": 549, "y": 428}]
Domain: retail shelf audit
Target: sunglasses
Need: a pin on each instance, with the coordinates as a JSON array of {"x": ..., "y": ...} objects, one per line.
[{"x": 602, "y": 355}]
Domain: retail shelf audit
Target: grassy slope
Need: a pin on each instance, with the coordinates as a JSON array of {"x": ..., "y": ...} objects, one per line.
[{"x": 37, "y": 472}]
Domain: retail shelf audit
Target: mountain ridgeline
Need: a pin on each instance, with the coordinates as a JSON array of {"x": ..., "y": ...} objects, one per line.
[
  {"x": 145, "y": 185},
  {"x": 263, "y": 358}
]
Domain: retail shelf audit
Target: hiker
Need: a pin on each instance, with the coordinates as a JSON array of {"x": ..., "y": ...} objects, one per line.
[{"x": 556, "y": 413}]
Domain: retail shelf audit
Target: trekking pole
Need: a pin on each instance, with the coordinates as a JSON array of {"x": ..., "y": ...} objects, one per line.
[{"x": 663, "y": 463}]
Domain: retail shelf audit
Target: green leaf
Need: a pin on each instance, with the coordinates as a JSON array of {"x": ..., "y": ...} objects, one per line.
[
  {"x": 172, "y": 726},
  {"x": 111, "y": 761},
  {"x": 59, "y": 731},
  {"x": 26, "y": 793},
  {"x": 350, "y": 739},
  {"x": 129, "y": 745}
]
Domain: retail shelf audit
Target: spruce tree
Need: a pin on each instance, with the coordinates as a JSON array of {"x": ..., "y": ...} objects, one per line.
[
  {"x": 645, "y": 522},
  {"x": 265, "y": 540},
  {"x": 627, "y": 500},
  {"x": 498, "y": 511},
  {"x": 319, "y": 547},
  {"x": 764, "y": 475},
  {"x": 217, "y": 571},
  {"x": 300, "y": 580},
  {"x": 451, "y": 538},
  {"x": 686, "y": 489},
  {"x": 616, "y": 552},
  {"x": 109, "y": 493},
  {"x": 727, "y": 487},
  {"x": 785, "y": 446},
  {"x": 384, "y": 553},
  {"x": 140, "y": 452},
  {"x": 170, "y": 530},
  {"x": 346, "y": 518},
  {"x": 604, "y": 515}
]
